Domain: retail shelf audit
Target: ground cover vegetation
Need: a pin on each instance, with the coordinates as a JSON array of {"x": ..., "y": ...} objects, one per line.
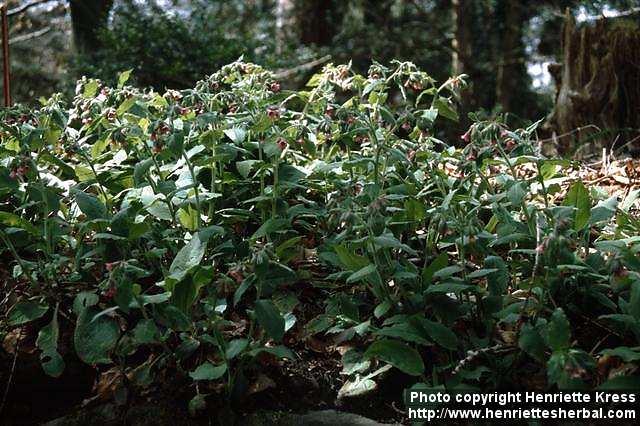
[{"x": 218, "y": 235}]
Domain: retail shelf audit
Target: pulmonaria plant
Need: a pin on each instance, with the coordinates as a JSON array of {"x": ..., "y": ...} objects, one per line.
[{"x": 184, "y": 230}]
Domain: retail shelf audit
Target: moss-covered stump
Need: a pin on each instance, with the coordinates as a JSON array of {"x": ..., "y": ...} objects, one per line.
[{"x": 598, "y": 86}]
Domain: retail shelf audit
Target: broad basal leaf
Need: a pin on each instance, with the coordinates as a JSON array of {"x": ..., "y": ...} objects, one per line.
[
  {"x": 398, "y": 354},
  {"x": 270, "y": 319},
  {"x": 94, "y": 339}
]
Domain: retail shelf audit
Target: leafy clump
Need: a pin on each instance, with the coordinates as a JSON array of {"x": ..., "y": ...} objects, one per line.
[{"x": 216, "y": 230}]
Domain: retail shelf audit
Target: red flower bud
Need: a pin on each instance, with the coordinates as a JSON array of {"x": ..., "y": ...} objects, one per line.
[
  {"x": 282, "y": 143},
  {"x": 236, "y": 275},
  {"x": 329, "y": 112},
  {"x": 111, "y": 293},
  {"x": 467, "y": 136},
  {"x": 510, "y": 144},
  {"x": 110, "y": 266},
  {"x": 274, "y": 87},
  {"x": 273, "y": 112}
]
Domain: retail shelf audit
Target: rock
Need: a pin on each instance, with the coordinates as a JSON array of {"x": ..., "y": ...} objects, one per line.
[
  {"x": 314, "y": 418},
  {"x": 106, "y": 414}
]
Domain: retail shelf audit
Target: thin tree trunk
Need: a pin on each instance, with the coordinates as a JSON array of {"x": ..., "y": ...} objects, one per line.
[
  {"x": 511, "y": 64},
  {"x": 284, "y": 18},
  {"x": 461, "y": 43},
  {"x": 314, "y": 20},
  {"x": 462, "y": 53},
  {"x": 88, "y": 17}
]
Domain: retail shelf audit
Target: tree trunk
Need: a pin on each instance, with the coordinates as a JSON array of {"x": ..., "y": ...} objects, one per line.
[
  {"x": 598, "y": 86},
  {"x": 284, "y": 21},
  {"x": 511, "y": 52},
  {"x": 462, "y": 53},
  {"x": 461, "y": 44},
  {"x": 314, "y": 20},
  {"x": 88, "y": 17}
]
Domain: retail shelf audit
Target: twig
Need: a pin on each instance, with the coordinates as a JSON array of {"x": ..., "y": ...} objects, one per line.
[
  {"x": 29, "y": 36},
  {"x": 24, "y": 7},
  {"x": 569, "y": 133},
  {"x": 396, "y": 409},
  {"x": 302, "y": 67},
  {"x": 598, "y": 344},
  {"x": 13, "y": 370},
  {"x": 629, "y": 142},
  {"x": 472, "y": 355}
]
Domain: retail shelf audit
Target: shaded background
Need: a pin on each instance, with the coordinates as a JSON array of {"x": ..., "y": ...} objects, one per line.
[{"x": 505, "y": 46}]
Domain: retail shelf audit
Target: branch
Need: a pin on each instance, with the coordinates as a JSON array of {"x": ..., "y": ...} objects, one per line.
[
  {"x": 302, "y": 67},
  {"x": 29, "y": 36},
  {"x": 24, "y": 7}
]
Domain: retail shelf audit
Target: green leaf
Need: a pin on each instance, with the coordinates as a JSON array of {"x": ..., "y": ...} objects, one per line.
[
  {"x": 481, "y": 273},
  {"x": 124, "y": 295},
  {"x": 244, "y": 167},
  {"x": 94, "y": 339},
  {"x": 634, "y": 299},
  {"x": 197, "y": 404},
  {"x": 445, "y": 109},
  {"x": 208, "y": 371},
  {"x": 449, "y": 287},
  {"x": 126, "y": 105},
  {"x": 236, "y": 134},
  {"x": 7, "y": 183},
  {"x": 447, "y": 271},
  {"x": 621, "y": 383},
  {"x": 578, "y": 197},
  {"x": 516, "y": 193},
  {"x": 277, "y": 351},
  {"x": 52, "y": 363},
  {"x": 189, "y": 256},
  {"x": 351, "y": 261},
  {"x": 186, "y": 291},
  {"x": 270, "y": 319},
  {"x": 90, "y": 88},
  {"x": 26, "y": 311},
  {"x": 141, "y": 169},
  {"x": 405, "y": 331},
  {"x": 438, "y": 263},
  {"x": 624, "y": 353},
  {"x": 353, "y": 362},
  {"x": 90, "y": 205},
  {"x": 235, "y": 347},
  {"x": 361, "y": 274},
  {"x": 100, "y": 145},
  {"x": 270, "y": 226},
  {"x": 498, "y": 279},
  {"x": 440, "y": 334},
  {"x": 531, "y": 342},
  {"x": 123, "y": 77},
  {"x": 398, "y": 354},
  {"x": 558, "y": 331},
  {"x": 146, "y": 332},
  {"x": 188, "y": 217},
  {"x": 83, "y": 300},
  {"x": 15, "y": 221}
]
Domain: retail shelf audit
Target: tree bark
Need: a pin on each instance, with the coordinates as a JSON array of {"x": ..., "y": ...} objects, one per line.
[
  {"x": 511, "y": 64},
  {"x": 461, "y": 44},
  {"x": 88, "y": 17},
  {"x": 314, "y": 20},
  {"x": 598, "y": 86},
  {"x": 284, "y": 23}
]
